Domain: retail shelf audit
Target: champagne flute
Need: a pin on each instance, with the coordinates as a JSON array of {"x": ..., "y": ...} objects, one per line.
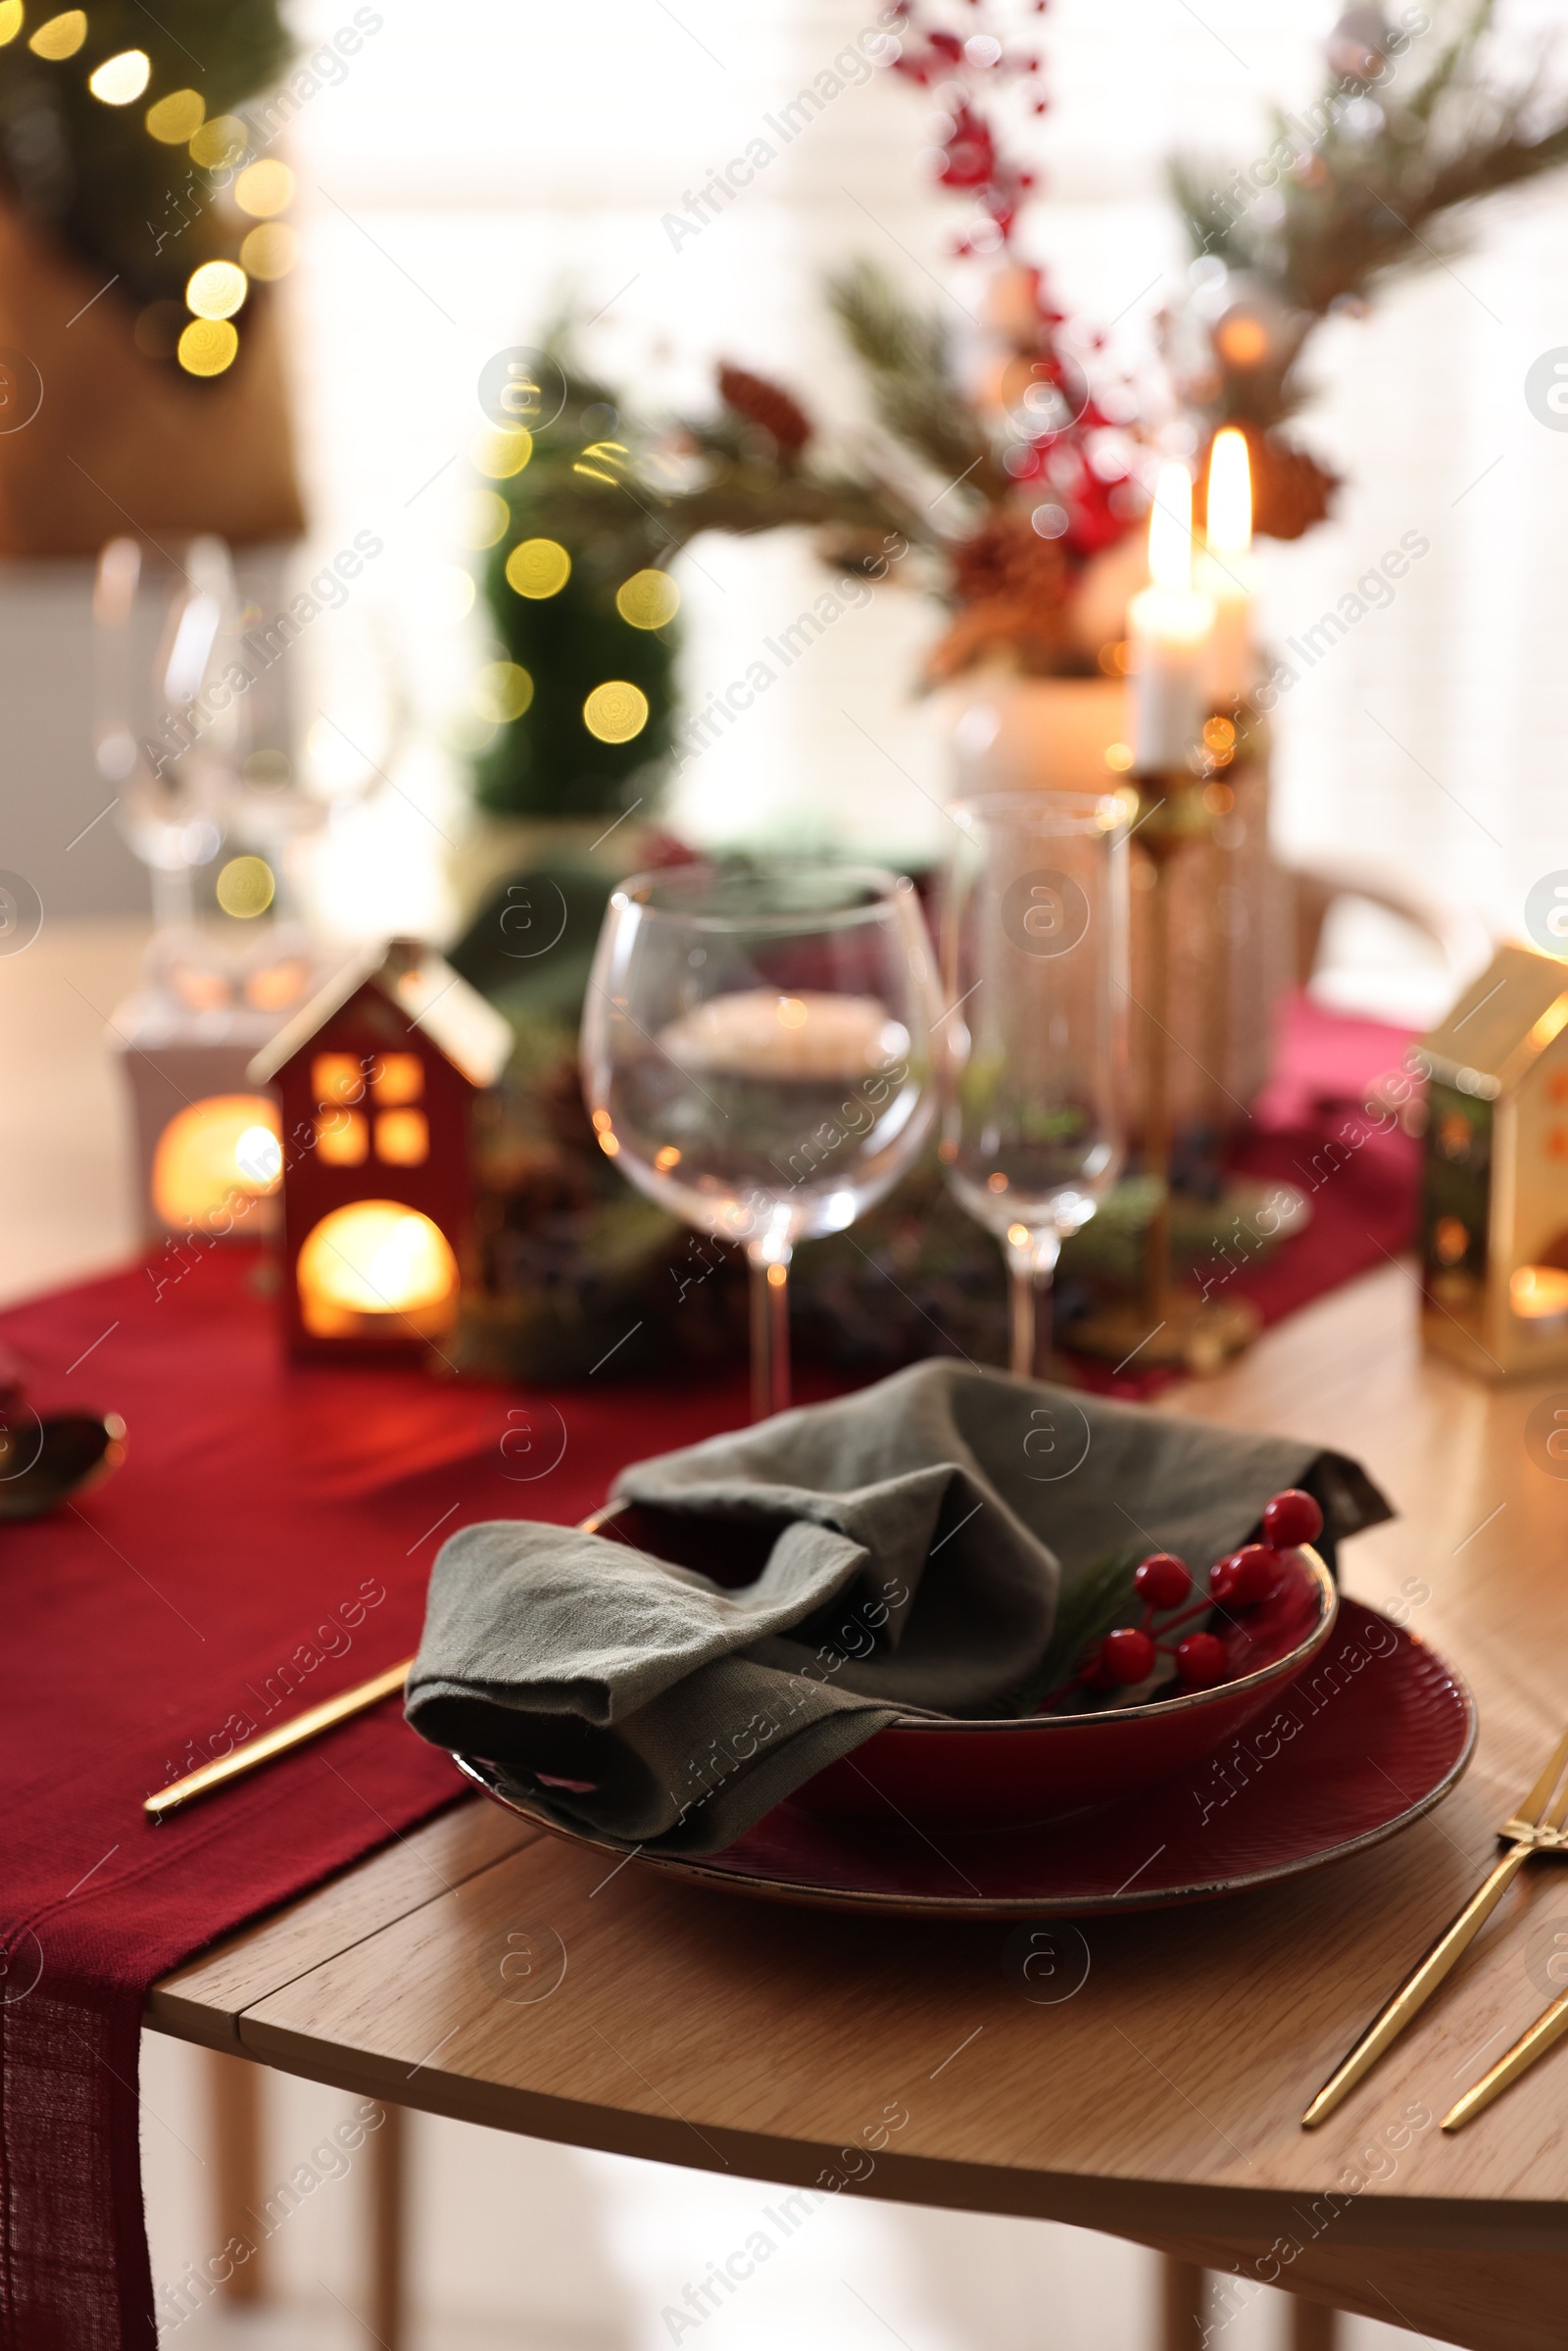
[
  {"x": 1035, "y": 968},
  {"x": 757, "y": 1055}
]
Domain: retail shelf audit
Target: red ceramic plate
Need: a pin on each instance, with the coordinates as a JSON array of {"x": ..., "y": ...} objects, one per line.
[{"x": 1379, "y": 1734}]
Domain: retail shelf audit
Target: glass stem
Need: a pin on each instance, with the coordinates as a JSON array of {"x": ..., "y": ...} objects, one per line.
[
  {"x": 769, "y": 1262},
  {"x": 1031, "y": 1267}
]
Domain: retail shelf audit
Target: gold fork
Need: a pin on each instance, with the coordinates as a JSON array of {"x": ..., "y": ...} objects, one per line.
[{"x": 1536, "y": 1828}]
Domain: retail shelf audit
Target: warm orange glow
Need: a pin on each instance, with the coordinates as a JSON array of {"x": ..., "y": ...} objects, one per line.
[
  {"x": 777, "y": 1276},
  {"x": 214, "y": 1159},
  {"x": 1549, "y": 1025},
  {"x": 1536, "y": 1292},
  {"x": 667, "y": 1159},
  {"x": 1451, "y": 1239},
  {"x": 337, "y": 1078},
  {"x": 403, "y": 1137},
  {"x": 1243, "y": 341},
  {"x": 791, "y": 1012},
  {"x": 399, "y": 1078},
  {"x": 997, "y": 1182},
  {"x": 376, "y": 1267},
  {"x": 342, "y": 1139}
]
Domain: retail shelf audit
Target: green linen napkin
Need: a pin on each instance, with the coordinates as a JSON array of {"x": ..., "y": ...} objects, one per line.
[{"x": 897, "y": 1551}]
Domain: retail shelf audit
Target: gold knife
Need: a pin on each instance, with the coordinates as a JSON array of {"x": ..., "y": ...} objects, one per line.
[
  {"x": 295, "y": 1733},
  {"x": 1536, "y": 1828}
]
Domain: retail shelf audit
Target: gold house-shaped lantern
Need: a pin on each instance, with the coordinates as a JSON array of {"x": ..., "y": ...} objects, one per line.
[{"x": 1495, "y": 1204}]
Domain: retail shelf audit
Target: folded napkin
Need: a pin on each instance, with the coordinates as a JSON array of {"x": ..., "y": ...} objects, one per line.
[{"x": 898, "y": 1552}]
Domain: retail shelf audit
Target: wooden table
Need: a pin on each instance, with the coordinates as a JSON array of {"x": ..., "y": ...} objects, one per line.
[{"x": 1162, "y": 2102}]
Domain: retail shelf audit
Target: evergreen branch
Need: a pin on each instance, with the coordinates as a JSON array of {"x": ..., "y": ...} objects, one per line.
[{"x": 914, "y": 393}]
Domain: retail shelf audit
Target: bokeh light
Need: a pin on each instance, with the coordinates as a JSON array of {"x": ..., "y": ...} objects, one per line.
[
  {"x": 502, "y": 691},
  {"x": 648, "y": 599},
  {"x": 246, "y": 887},
  {"x": 217, "y": 290},
  {"x": 120, "y": 80},
  {"x": 206, "y": 347},
  {"x": 10, "y": 20},
  {"x": 220, "y": 144},
  {"x": 485, "y": 518},
  {"x": 615, "y": 711},
  {"x": 538, "y": 567},
  {"x": 61, "y": 36},
  {"x": 500, "y": 455},
  {"x": 269, "y": 251},
  {"x": 264, "y": 188},
  {"x": 177, "y": 119}
]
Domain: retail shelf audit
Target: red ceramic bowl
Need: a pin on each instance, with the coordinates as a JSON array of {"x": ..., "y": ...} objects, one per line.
[{"x": 1005, "y": 1772}]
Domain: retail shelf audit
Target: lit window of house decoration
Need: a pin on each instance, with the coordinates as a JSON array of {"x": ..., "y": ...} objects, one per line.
[
  {"x": 1495, "y": 1218},
  {"x": 377, "y": 1078}
]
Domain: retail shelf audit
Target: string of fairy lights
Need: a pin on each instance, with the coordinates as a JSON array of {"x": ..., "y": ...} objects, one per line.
[
  {"x": 615, "y": 711},
  {"x": 261, "y": 189}
]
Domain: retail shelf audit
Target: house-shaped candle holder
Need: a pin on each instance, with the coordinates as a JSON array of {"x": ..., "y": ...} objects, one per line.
[
  {"x": 377, "y": 1078},
  {"x": 1495, "y": 1204}
]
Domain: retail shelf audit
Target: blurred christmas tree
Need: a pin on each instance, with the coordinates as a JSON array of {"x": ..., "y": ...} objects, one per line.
[{"x": 584, "y": 612}]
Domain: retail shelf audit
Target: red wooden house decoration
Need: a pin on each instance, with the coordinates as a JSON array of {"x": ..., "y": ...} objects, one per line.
[{"x": 376, "y": 1077}]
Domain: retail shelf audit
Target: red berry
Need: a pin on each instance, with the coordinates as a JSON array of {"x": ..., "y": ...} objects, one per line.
[
  {"x": 1128, "y": 1656},
  {"x": 1162, "y": 1580},
  {"x": 1292, "y": 1518},
  {"x": 1201, "y": 1661},
  {"x": 1246, "y": 1577}
]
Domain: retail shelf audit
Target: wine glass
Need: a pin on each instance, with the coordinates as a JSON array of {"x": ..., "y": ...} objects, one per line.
[
  {"x": 169, "y": 726},
  {"x": 1034, "y": 942},
  {"x": 756, "y": 1054}
]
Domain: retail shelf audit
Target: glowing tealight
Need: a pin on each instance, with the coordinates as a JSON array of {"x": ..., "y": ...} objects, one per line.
[
  {"x": 214, "y": 1159},
  {"x": 206, "y": 347},
  {"x": 217, "y": 290},
  {"x": 61, "y": 36},
  {"x": 1537, "y": 1292},
  {"x": 615, "y": 711},
  {"x": 373, "y": 1258},
  {"x": 538, "y": 567}
]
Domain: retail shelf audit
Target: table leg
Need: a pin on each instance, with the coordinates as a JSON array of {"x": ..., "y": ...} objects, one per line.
[
  {"x": 1183, "y": 2301},
  {"x": 234, "y": 2101},
  {"x": 387, "y": 2149},
  {"x": 1314, "y": 2326}
]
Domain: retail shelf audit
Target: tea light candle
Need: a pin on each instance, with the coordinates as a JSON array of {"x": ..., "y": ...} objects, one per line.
[
  {"x": 1169, "y": 624},
  {"x": 758, "y": 1032},
  {"x": 1226, "y": 572}
]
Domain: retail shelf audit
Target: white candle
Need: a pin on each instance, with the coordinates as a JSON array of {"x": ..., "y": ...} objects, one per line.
[
  {"x": 1226, "y": 572},
  {"x": 1169, "y": 623}
]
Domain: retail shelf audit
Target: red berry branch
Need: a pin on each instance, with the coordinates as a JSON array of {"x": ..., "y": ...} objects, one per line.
[{"x": 1242, "y": 1580}]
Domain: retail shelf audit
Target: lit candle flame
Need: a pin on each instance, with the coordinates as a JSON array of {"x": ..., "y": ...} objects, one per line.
[
  {"x": 1230, "y": 493},
  {"x": 1170, "y": 529}
]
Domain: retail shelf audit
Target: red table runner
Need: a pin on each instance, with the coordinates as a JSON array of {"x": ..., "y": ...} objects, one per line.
[{"x": 266, "y": 1544}]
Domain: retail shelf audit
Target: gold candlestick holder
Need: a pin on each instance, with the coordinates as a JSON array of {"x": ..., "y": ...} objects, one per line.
[{"x": 1167, "y": 1325}]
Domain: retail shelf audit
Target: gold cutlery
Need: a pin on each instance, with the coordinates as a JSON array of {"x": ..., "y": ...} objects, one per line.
[
  {"x": 305, "y": 1727},
  {"x": 1537, "y": 1828}
]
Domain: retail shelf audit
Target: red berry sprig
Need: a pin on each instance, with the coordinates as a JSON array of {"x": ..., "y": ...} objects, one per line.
[{"x": 1243, "y": 1579}]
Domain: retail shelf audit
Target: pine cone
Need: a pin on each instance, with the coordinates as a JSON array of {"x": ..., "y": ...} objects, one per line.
[
  {"x": 1007, "y": 557},
  {"x": 765, "y": 403}
]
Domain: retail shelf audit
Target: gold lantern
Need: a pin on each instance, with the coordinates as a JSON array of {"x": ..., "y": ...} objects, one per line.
[{"x": 1495, "y": 1198}]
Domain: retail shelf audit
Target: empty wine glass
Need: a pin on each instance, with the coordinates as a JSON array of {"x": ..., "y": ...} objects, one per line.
[
  {"x": 1034, "y": 963},
  {"x": 169, "y": 726},
  {"x": 757, "y": 1054}
]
